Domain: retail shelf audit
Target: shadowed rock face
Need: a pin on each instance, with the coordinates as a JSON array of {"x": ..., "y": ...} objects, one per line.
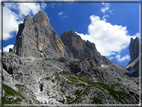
[
  {"x": 134, "y": 49},
  {"x": 133, "y": 65},
  {"x": 83, "y": 50},
  {"x": 37, "y": 38}
]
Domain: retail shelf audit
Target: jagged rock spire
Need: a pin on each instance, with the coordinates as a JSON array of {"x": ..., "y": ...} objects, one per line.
[
  {"x": 37, "y": 38},
  {"x": 83, "y": 50},
  {"x": 134, "y": 48}
]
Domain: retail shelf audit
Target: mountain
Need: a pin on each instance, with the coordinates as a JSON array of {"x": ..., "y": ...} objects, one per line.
[
  {"x": 133, "y": 65},
  {"x": 83, "y": 50},
  {"x": 134, "y": 49},
  {"x": 37, "y": 38},
  {"x": 44, "y": 68}
]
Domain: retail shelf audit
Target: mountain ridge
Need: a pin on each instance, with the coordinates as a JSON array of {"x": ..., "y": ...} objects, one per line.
[{"x": 37, "y": 38}]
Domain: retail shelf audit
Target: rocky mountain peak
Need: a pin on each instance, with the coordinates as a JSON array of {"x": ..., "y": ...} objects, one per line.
[
  {"x": 134, "y": 48},
  {"x": 133, "y": 65},
  {"x": 72, "y": 40},
  {"x": 27, "y": 18},
  {"x": 37, "y": 38},
  {"x": 41, "y": 18},
  {"x": 83, "y": 50}
]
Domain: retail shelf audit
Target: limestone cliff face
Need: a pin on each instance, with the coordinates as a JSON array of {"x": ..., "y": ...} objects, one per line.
[
  {"x": 83, "y": 50},
  {"x": 133, "y": 65},
  {"x": 37, "y": 38},
  {"x": 134, "y": 48}
]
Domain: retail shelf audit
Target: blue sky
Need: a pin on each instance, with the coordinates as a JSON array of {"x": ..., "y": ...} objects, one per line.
[{"x": 109, "y": 25}]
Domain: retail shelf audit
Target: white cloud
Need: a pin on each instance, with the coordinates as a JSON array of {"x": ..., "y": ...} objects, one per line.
[
  {"x": 6, "y": 49},
  {"x": 60, "y": 13},
  {"x": 104, "y": 9},
  {"x": 11, "y": 19},
  {"x": 26, "y": 8},
  {"x": 137, "y": 35},
  {"x": 110, "y": 58},
  {"x": 10, "y": 23},
  {"x": 43, "y": 5},
  {"x": 126, "y": 57},
  {"x": 109, "y": 39},
  {"x": 105, "y": 16}
]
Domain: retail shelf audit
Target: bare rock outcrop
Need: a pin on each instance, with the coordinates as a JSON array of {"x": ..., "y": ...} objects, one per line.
[
  {"x": 133, "y": 65},
  {"x": 83, "y": 50},
  {"x": 134, "y": 49},
  {"x": 37, "y": 38}
]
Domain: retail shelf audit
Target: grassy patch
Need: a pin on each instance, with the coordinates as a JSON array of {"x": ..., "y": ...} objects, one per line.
[
  {"x": 117, "y": 95},
  {"x": 69, "y": 99},
  {"x": 95, "y": 101},
  {"x": 48, "y": 78},
  {"x": 83, "y": 81},
  {"x": 53, "y": 80},
  {"x": 11, "y": 96},
  {"x": 23, "y": 89},
  {"x": 78, "y": 93},
  {"x": 117, "y": 84}
]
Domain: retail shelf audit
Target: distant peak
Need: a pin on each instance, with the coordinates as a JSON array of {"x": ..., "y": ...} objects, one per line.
[
  {"x": 136, "y": 39},
  {"x": 72, "y": 31}
]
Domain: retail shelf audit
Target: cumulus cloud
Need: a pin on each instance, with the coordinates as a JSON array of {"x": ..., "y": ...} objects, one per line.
[
  {"x": 109, "y": 39},
  {"x": 6, "y": 49},
  {"x": 10, "y": 23},
  {"x": 60, "y": 13},
  {"x": 110, "y": 58},
  {"x": 105, "y": 8},
  {"x": 11, "y": 18},
  {"x": 126, "y": 57},
  {"x": 137, "y": 35},
  {"x": 26, "y": 8}
]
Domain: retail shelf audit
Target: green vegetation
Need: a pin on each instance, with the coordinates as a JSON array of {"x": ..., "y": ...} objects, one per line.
[
  {"x": 48, "y": 78},
  {"x": 78, "y": 93},
  {"x": 117, "y": 95},
  {"x": 11, "y": 96},
  {"x": 53, "y": 80},
  {"x": 82, "y": 82},
  {"x": 95, "y": 101},
  {"x": 117, "y": 84},
  {"x": 22, "y": 89}
]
